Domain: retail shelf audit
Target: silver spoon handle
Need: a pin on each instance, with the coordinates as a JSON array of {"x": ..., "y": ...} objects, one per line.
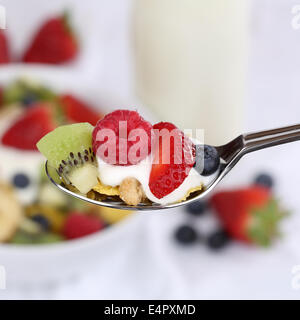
[{"x": 269, "y": 138}]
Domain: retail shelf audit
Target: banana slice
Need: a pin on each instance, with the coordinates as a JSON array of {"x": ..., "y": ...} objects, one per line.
[{"x": 11, "y": 213}]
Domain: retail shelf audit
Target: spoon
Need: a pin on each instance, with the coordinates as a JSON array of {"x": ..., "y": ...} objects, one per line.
[{"x": 229, "y": 153}]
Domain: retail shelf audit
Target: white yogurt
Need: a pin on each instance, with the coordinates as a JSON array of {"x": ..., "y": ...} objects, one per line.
[{"x": 113, "y": 175}]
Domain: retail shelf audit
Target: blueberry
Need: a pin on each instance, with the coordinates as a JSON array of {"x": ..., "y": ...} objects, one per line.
[
  {"x": 186, "y": 234},
  {"x": 20, "y": 180},
  {"x": 42, "y": 221},
  {"x": 207, "y": 160},
  {"x": 218, "y": 240},
  {"x": 29, "y": 99},
  {"x": 197, "y": 208},
  {"x": 264, "y": 180}
]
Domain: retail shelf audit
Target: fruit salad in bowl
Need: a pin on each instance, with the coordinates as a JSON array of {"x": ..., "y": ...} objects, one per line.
[
  {"x": 126, "y": 157},
  {"x": 33, "y": 211}
]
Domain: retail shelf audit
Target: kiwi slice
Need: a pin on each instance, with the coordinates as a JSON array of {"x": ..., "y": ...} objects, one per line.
[{"x": 69, "y": 150}]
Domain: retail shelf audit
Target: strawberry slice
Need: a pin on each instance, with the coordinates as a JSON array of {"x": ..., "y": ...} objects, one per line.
[
  {"x": 54, "y": 43},
  {"x": 4, "y": 50},
  {"x": 78, "y": 111},
  {"x": 30, "y": 128},
  {"x": 173, "y": 158},
  {"x": 250, "y": 215}
]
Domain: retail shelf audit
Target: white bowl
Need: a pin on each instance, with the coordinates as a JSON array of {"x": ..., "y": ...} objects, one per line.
[
  {"x": 38, "y": 264},
  {"x": 44, "y": 264}
]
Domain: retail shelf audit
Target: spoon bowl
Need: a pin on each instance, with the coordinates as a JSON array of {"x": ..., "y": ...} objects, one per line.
[
  {"x": 112, "y": 202},
  {"x": 229, "y": 153}
]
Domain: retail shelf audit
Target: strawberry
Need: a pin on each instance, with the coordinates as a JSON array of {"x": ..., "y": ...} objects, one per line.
[
  {"x": 250, "y": 215},
  {"x": 30, "y": 128},
  {"x": 168, "y": 173},
  {"x": 78, "y": 111},
  {"x": 54, "y": 43},
  {"x": 4, "y": 50},
  {"x": 79, "y": 225}
]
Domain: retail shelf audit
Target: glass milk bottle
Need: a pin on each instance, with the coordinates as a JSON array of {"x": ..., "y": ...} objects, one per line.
[{"x": 190, "y": 60}]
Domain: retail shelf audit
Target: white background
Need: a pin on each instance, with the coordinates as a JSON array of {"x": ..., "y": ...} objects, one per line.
[{"x": 149, "y": 264}]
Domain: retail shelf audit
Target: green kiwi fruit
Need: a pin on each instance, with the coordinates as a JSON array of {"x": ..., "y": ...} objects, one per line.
[{"x": 69, "y": 150}]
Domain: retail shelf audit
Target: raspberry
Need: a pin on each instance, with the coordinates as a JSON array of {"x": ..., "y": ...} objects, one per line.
[
  {"x": 79, "y": 225},
  {"x": 165, "y": 176},
  {"x": 129, "y": 147}
]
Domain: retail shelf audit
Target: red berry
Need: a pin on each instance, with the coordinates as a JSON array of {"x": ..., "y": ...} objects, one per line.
[
  {"x": 250, "y": 215},
  {"x": 127, "y": 148},
  {"x": 4, "y": 50},
  {"x": 78, "y": 225},
  {"x": 78, "y": 111},
  {"x": 54, "y": 43},
  {"x": 168, "y": 174},
  {"x": 30, "y": 128}
]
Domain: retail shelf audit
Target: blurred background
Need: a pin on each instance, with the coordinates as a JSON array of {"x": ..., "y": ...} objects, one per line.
[{"x": 225, "y": 66}]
